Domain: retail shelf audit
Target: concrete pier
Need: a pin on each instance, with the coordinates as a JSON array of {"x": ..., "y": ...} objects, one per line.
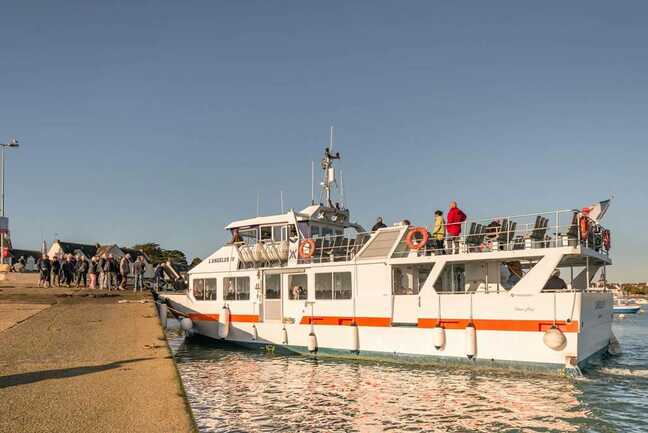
[{"x": 78, "y": 361}]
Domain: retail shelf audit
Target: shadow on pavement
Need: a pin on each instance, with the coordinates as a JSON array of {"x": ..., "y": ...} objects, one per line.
[{"x": 37, "y": 376}]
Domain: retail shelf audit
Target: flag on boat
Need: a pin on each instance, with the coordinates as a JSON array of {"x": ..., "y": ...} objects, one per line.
[{"x": 597, "y": 210}]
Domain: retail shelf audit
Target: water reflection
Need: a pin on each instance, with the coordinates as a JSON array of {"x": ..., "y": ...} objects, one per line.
[{"x": 246, "y": 391}]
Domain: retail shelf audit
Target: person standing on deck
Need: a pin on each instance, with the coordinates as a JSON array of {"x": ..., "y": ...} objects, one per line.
[
  {"x": 124, "y": 271},
  {"x": 138, "y": 273},
  {"x": 439, "y": 232},
  {"x": 455, "y": 218},
  {"x": 56, "y": 272},
  {"x": 92, "y": 273},
  {"x": 379, "y": 224}
]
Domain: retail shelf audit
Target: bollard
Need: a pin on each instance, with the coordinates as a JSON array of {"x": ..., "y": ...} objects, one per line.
[{"x": 163, "y": 315}]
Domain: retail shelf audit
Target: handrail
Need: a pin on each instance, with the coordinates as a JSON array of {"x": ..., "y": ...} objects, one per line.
[{"x": 504, "y": 233}]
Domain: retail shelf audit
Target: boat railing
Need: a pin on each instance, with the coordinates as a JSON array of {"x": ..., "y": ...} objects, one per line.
[{"x": 553, "y": 229}]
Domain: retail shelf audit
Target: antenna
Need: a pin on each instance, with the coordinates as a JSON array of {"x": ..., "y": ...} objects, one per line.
[
  {"x": 342, "y": 189},
  {"x": 282, "y": 203},
  {"x": 312, "y": 182},
  {"x": 258, "y": 202},
  {"x": 331, "y": 140}
]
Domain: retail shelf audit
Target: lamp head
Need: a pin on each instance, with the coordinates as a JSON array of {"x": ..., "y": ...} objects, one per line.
[{"x": 13, "y": 142}]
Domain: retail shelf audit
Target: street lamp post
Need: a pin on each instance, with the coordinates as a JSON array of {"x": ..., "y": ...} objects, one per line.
[{"x": 12, "y": 143}]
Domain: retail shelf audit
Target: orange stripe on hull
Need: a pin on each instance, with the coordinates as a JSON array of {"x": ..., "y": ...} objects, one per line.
[
  {"x": 480, "y": 324},
  {"x": 248, "y": 318},
  {"x": 500, "y": 325},
  {"x": 345, "y": 321}
]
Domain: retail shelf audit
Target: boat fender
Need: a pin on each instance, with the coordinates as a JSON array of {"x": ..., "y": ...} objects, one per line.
[
  {"x": 312, "y": 342},
  {"x": 355, "y": 338},
  {"x": 284, "y": 336},
  {"x": 471, "y": 341},
  {"x": 438, "y": 337},
  {"x": 186, "y": 324},
  {"x": 554, "y": 339},
  {"x": 164, "y": 311},
  {"x": 224, "y": 322},
  {"x": 412, "y": 243},
  {"x": 255, "y": 333}
]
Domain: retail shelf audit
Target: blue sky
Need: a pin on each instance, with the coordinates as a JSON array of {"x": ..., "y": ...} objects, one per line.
[{"x": 161, "y": 121}]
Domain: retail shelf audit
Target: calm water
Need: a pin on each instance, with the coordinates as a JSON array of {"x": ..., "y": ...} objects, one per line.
[{"x": 248, "y": 391}]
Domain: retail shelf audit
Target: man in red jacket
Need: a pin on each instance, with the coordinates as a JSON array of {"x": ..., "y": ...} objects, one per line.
[{"x": 453, "y": 226}]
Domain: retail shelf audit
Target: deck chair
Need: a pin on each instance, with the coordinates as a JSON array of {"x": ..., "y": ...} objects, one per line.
[{"x": 475, "y": 235}]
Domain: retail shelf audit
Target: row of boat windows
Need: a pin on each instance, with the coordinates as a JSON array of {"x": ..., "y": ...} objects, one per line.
[
  {"x": 328, "y": 285},
  {"x": 282, "y": 233},
  {"x": 234, "y": 289}
]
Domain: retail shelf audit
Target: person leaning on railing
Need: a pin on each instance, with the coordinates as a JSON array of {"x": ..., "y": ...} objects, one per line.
[
  {"x": 438, "y": 234},
  {"x": 453, "y": 226}
]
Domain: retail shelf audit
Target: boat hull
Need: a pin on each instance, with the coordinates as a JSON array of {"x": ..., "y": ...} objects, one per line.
[{"x": 498, "y": 343}]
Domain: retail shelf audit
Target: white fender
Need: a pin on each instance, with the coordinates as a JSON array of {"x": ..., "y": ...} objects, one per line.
[
  {"x": 164, "y": 311},
  {"x": 312, "y": 342},
  {"x": 554, "y": 339},
  {"x": 438, "y": 337},
  {"x": 186, "y": 324},
  {"x": 355, "y": 338},
  {"x": 471, "y": 341},
  {"x": 255, "y": 333},
  {"x": 284, "y": 336},
  {"x": 224, "y": 322}
]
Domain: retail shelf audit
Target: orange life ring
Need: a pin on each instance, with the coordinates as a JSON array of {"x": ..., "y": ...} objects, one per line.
[
  {"x": 583, "y": 225},
  {"x": 306, "y": 248},
  {"x": 409, "y": 239},
  {"x": 607, "y": 243}
]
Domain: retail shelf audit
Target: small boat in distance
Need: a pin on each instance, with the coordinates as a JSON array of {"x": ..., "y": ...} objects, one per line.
[
  {"x": 315, "y": 283},
  {"x": 625, "y": 309}
]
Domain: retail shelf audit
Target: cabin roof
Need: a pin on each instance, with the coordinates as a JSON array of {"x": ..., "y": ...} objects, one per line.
[{"x": 305, "y": 214}]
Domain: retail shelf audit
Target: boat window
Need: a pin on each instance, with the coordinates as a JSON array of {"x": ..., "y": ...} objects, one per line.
[
  {"x": 315, "y": 231},
  {"x": 292, "y": 231},
  {"x": 210, "y": 289},
  {"x": 408, "y": 280},
  {"x": 273, "y": 286},
  {"x": 266, "y": 233},
  {"x": 297, "y": 286},
  {"x": 333, "y": 285},
  {"x": 326, "y": 232},
  {"x": 452, "y": 279},
  {"x": 199, "y": 288},
  {"x": 279, "y": 233},
  {"x": 249, "y": 235},
  {"x": 342, "y": 285},
  {"x": 236, "y": 289}
]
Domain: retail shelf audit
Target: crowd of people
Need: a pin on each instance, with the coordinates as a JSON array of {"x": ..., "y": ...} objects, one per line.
[{"x": 100, "y": 272}]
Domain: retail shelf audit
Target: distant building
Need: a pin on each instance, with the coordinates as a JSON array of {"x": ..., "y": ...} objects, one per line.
[
  {"x": 60, "y": 248},
  {"x": 119, "y": 252}
]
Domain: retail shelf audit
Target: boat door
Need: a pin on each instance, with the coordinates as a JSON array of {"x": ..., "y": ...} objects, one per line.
[
  {"x": 406, "y": 284},
  {"x": 272, "y": 299}
]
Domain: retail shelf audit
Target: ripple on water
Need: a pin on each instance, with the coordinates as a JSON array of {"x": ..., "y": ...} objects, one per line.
[{"x": 245, "y": 391}]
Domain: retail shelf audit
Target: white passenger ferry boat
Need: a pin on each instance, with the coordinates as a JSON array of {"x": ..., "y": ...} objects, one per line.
[{"x": 315, "y": 283}]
